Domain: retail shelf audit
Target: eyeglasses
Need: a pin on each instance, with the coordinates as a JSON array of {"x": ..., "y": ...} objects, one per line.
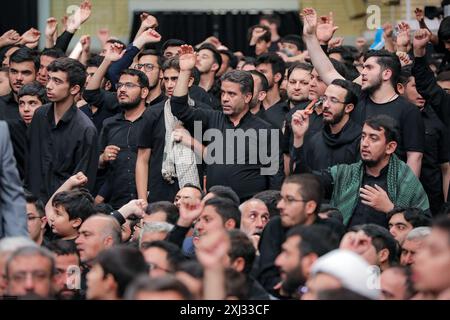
[
  {"x": 147, "y": 66},
  {"x": 333, "y": 100},
  {"x": 31, "y": 218},
  {"x": 290, "y": 200},
  {"x": 154, "y": 266},
  {"x": 127, "y": 85}
]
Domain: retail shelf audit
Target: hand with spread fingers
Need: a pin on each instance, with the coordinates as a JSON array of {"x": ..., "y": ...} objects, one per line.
[{"x": 376, "y": 197}]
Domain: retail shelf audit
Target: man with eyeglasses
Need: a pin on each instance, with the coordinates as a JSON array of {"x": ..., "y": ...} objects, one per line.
[
  {"x": 338, "y": 141},
  {"x": 162, "y": 257}
]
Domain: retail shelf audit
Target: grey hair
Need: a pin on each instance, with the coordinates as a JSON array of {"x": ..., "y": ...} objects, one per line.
[
  {"x": 418, "y": 233},
  {"x": 33, "y": 250},
  {"x": 11, "y": 244},
  {"x": 241, "y": 207},
  {"x": 112, "y": 228},
  {"x": 154, "y": 227}
]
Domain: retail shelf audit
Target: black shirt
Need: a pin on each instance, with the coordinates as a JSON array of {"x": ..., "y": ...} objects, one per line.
[
  {"x": 9, "y": 108},
  {"x": 153, "y": 137},
  {"x": 230, "y": 167},
  {"x": 98, "y": 116},
  {"x": 364, "y": 214},
  {"x": 436, "y": 153},
  {"x": 56, "y": 152},
  {"x": 409, "y": 121},
  {"x": 18, "y": 132},
  {"x": 275, "y": 115},
  {"x": 121, "y": 172}
]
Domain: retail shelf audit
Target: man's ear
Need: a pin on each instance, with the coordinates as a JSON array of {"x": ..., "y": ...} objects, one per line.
[
  {"x": 215, "y": 67},
  {"x": 191, "y": 81},
  {"x": 230, "y": 224},
  {"x": 262, "y": 95},
  {"x": 349, "y": 107},
  {"x": 386, "y": 74},
  {"x": 43, "y": 222},
  {"x": 391, "y": 147},
  {"x": 108, "y": 242},
  {"x": 144, "y": 93},
  {"x": 400, "y": 88},
  {"x": 248, "y": 97},
  {"x": 277, "y": 77},
  {"x": 307, "y": 263},
  {"x": 238, "y": 264},
  {"x": 311, "y": 207},
  {"x": 76, "y": 223},
  {"x": 383, "y": 255},
  {"x": 75, "y": 90}
]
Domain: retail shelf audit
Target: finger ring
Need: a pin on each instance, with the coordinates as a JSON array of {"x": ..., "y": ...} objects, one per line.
[{"x": 109, "y": 155}]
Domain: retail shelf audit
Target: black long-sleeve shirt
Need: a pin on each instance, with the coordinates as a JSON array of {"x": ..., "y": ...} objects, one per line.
[
  {"x": 58, "y": 151},
  {"x": 237, "y": 165},
  {"x": 121, "y": 176},
  {"x": 9, "y": 108}
]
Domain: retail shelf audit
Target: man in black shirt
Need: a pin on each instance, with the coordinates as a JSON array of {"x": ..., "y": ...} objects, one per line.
[
  {"x": 119, "y": 139},
  {"x": 62, "y": 140},
  {"x": 47, "y": 57},
  {"x": 435, "y": 173},
  {"x": 274, "y": 109},
  {"x": 24, "y": 65},
  {"x": 379, "y": 80},
  {"x": 208, "y": 64},
  {"x": 238, "y": 167}
]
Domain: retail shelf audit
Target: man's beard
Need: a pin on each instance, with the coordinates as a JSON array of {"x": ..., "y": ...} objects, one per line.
[
  {"x": 371, "y": 163},
  {"x": 336, "y": 118},
  {"x": 294, "y": 279},
  {"x": 375, "y": 86},
  {"x": 130, "y": 105}
]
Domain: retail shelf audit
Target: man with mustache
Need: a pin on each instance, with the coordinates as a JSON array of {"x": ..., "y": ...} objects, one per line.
[{"x": 24, "y": 66}]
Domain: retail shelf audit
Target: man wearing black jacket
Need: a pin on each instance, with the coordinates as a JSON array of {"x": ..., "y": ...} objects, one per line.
[
  {"x": 338, "y": 141},
  {"x": 426, "y": 83}
]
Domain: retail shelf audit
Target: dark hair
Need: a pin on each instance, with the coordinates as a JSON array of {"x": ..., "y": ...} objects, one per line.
[
  {"x": 25, "y": 54},
  {"x": 262, "y": 77},
  {"x": 340, "y": 68},
  {"x": 242, "y": 247},
  {"x": 94, "y": 61},
  {"x": 271, "y": 199},
  {"x": 381, "y": 239},
  {"x": 174, "y": 254},
  {"x": 172, "y": 43},
  {"x": 4, "y": 69},
  {"x": 386, "y": 60},
  {"x": 405, "y": 75},
  {"x": 295, "y": 40},
  {"x": 104, "y": 208},
  {"x": 63, "y": 247},
  {"x": 386, "y": 123},
  {"x": 266, "y": 37},
  {"x": 443, "y": 223},
  {"x": 225, "y": 192},
  {"x": 227, "y": 209},
  {"x": 299, "y": 65},
  {"x": 272, "y": 18},
  {"x": 142, "y": 77},
  {"x": 347, "y": 56},
  {"x": 53, "y": 53},
  {"x": 167, "y": 207},
  {"x": 216, "y": 54},
  {"x": 332, "y": 213},
  {"x": 415, "y": 216},
  {"x": 409, "y": 284},
  {"x": 78, "y": 203},
  {"x": 276, "y": 62},
  {"x": 351, "y": 96},
  {"x": 309, "y": 187},
  {"x": 76, "y": 71},
  {"x": 113, "y": 41},
  {"x": 151, "y": 52},
  {"x": 160, "y": 284},
  {"x": 192, "y": 268},
  {"x": 236, "y": 284},
  {"x": 193, "y": 186},
  {"x": 444, "y": 30},
  {"x": 314, "y": 239},
  {"x": 249, "y": 60},
  {"x": 171, "y": 63},
  {"x": 243, "y": 78},
  {"x": 32, "y": 199},
  {"x": 443, "y": 76},
  {"x": 34, "y": 89},
  {"x": 124, "y": 264},
  {"x": 232, "y": 59}
]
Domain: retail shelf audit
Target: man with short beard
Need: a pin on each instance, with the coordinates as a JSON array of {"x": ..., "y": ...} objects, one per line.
[
  {"x": 338, "y": 141},
  {"x": 119, "y": 139},
  {"x": 365, "y": 191},
  {"x": 302, "y": 247}
]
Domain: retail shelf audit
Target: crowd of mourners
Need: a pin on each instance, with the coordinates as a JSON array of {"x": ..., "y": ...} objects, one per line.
[{"x": 308, "y": 169}]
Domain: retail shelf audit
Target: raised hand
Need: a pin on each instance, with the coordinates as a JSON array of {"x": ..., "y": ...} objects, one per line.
[
  {"x": 420, "y": 41},
  {"x": 187, "y": 57},
  {"x": 148, "y": 21},
  {"x": 336, "y": 42},
  {"x": 212, "y": 248},
  {"x": 31, "y": 36},
  {"x": 388, "y": 30},
  {"x": 300, "y": 123},
  {"x": 403, "y": 38},
  {"x": 77, "y": 180},
  {"x": 80, "y": 16},
  {"x": 357, "y": 242},
  {"x": 326, "y": 28},
  {"x": 190, "y": 210},
  {"x": 9, "y": 37},
  {"x": 51, "y": 27},
  {"x": 404, "y": 58},
  {"x": 135, "y": 207},
  {"x": 420, "y": 16},
  {"x": 114, "y": 52},
  {"x": 86, "y": 43},
  {"x": 148, "y": 36},
  {"x": 309, "y": 17},
  {"x": 256, "y": 34}
]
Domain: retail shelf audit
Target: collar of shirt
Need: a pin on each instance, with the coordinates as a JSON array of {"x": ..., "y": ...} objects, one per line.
[
  {"x": 121, "y": 117},
  {"x": 70, "y": 113},
  {"x": 158, "y": 99},
  {"x": 9, "y": 98},
  {"x": 383, "y": 173},
  {"x": 245, "y": 118}
]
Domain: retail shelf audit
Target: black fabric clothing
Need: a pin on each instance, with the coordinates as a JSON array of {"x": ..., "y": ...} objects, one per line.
[
  {"x": 63, "y": 41},
  {"x": 9, "y": 108},
  {"x": 200, "y": 95},
  {"x": 58, "y": 151},
  {"x": 436, "y": 153},
  {"x": 243, "y": 176},
  {"x": 364, "y": 214},
  {"x": 18, "y": 132},
  {"x": 326, "y": 149},
  {"x": 177, "y": 235},
  {"x": 120, "y": 179},
  {"x": 276, "y": 114},
  {"x": 153, "y": 137},
  {"x": 102, "y": 99},
  {"x": 98, "y": 116},
  {"x": 256, "y": 290},
  {"x": 409, "y": 121}
]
